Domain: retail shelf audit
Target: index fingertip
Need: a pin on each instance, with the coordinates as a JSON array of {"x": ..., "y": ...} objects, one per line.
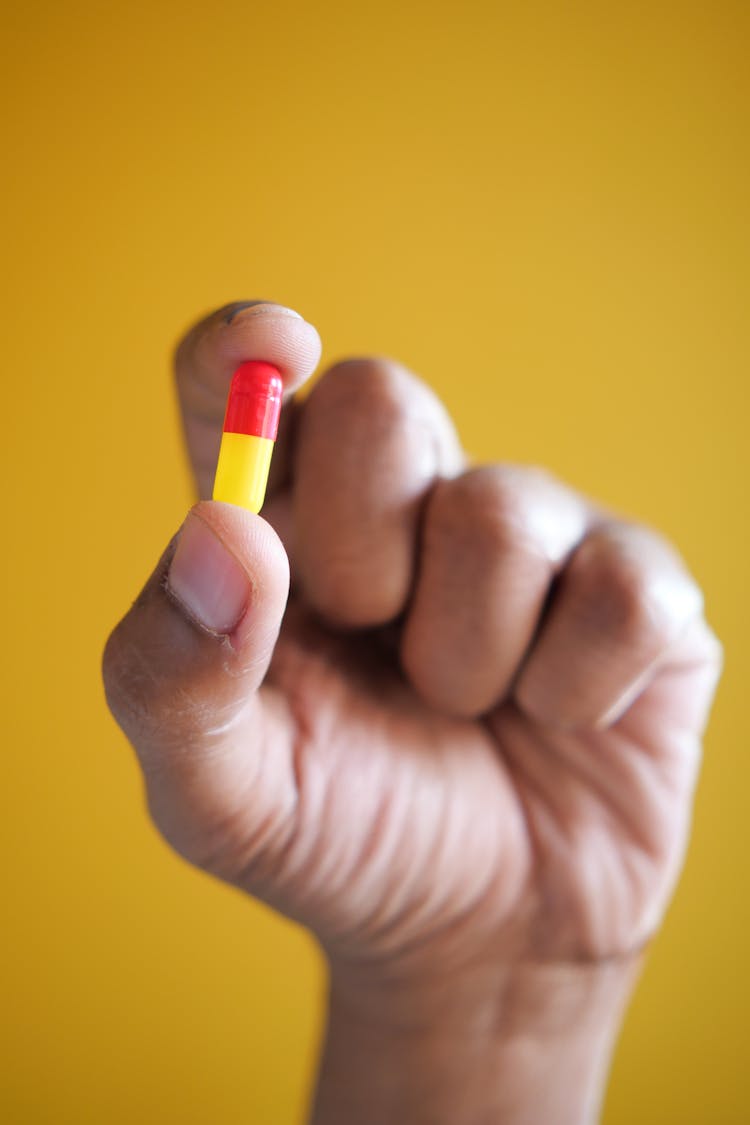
[
  {"x": 210, "y": 352},
  {"x": 272, "y": 333}
]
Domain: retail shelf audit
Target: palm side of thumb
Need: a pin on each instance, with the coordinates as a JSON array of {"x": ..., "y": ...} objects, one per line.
[{"x": 182, "y": 672}]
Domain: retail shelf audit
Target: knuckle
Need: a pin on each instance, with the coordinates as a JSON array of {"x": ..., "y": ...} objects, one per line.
[
  {"x": 376, "y": 390},
  {"x": 615, "y": 597},
  {"x": 378, "y": 405},
  {"x": 492, "y": 506},
  {"x": 371, "y": 384},
  {"x": 629, "y": 585}
]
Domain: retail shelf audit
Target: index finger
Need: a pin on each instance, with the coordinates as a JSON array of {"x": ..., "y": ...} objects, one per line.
[{"x": 212, "y": 349}]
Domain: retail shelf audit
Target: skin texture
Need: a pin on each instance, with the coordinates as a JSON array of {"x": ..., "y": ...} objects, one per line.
[{"x": 463, "y": 753}]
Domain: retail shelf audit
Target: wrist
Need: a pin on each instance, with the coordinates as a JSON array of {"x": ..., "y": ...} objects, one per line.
[{"x": 519, "y": 1045}]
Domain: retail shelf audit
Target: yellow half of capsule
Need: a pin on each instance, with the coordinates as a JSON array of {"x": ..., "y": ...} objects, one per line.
[{"x": 242, "y": 471}]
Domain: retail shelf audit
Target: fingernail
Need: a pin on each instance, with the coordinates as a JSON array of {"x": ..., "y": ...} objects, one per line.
[
  {"x": 207, "y": 580},
  {"x": 232, "y": 311}
]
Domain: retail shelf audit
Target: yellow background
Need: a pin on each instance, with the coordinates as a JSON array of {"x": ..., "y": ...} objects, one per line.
[{"x": 541, "y": 207}]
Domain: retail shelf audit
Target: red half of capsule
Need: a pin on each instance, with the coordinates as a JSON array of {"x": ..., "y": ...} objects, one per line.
[{"x": 254, "y": 401}]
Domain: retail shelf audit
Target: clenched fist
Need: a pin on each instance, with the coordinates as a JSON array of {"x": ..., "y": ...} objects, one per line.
[{"x": 461, "y": 749}]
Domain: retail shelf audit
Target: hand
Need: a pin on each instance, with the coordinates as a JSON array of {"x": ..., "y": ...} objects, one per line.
[{"x": 463, "y": 754}]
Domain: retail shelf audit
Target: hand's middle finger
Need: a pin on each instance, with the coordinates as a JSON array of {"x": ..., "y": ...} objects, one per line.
[{"x": 370, "y": 442}]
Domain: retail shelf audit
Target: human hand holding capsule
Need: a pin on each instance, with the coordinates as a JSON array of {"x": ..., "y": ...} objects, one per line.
[{"x": 461, "y": 751}]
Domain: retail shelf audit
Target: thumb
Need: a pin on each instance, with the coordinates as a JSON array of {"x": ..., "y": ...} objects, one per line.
[{"x": 182, "y": 673}]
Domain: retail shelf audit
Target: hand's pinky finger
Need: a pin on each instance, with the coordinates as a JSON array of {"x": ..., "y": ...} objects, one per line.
[{"x": 621, "y": 604}]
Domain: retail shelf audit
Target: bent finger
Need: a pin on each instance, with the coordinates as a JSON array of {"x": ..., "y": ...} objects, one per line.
[
  {"x": 622, "y": 602},
  {"x": 492, "y": 542},
  {"x": 371, "y": 440}
]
